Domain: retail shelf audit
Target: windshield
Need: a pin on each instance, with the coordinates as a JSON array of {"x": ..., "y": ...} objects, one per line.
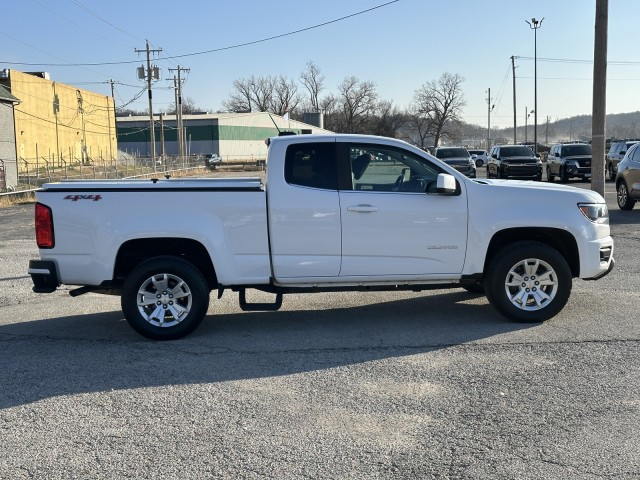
[
  {"x": 516, "y": 151},
  {"x": 571, "y": 150},
  {"x": 451, "y": 153}
]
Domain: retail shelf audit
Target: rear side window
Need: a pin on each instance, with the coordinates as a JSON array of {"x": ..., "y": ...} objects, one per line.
[{"x": 312, "y": 165}]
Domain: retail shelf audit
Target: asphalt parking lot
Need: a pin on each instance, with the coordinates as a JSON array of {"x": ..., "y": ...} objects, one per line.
[{"x": 342, "y": 385}]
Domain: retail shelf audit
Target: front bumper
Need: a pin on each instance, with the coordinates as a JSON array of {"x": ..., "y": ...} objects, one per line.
[{"x": 521, "y": 170}]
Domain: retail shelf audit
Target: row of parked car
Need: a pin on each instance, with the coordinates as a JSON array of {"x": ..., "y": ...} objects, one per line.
[{"x": 564, "y": 162}]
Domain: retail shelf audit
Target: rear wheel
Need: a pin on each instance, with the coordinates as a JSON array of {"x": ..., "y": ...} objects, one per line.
[
  {"x": 165, "y": 298},
  {"x": 622, "y": 195},
  {"x": 549, "y": 176},
  {"x": 528, "y": 282}
]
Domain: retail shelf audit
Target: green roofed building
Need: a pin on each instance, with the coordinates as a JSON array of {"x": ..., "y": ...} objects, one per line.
[{"x": 233, "y": 136}]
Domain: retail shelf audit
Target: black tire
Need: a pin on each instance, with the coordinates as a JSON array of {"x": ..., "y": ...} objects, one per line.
[
  {"x": 528, "y": 282},
  {"x": 625, "y": 202},
  {"x": 564, "y": 178},
  {"x": 479, "y": 163},
  {"x": 180, "y": 306},
  {"x": 488, "y": 172},
  {"x": 549, "y": 176},
  {"x": 611, "y": 172}
]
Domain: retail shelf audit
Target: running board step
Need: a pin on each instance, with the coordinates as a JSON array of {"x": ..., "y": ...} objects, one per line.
[{"x": 255, "y": 307}]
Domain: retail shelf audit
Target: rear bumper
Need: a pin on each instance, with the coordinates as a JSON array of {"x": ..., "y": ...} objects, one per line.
[{"x": 44, "y": 276}]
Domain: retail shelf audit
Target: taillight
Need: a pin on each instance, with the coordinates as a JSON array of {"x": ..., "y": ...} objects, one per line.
[{"x": 44, "y": 227}]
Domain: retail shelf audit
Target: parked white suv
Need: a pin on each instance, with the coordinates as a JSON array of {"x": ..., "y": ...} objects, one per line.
[{"x": 480, "y": 156}]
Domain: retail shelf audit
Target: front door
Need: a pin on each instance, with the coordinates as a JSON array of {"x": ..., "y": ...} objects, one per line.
[{"x": 391, "y": 225}]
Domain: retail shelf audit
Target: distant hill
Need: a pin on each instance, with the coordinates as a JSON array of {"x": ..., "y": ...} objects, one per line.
[{"x": 618, "y": 125}]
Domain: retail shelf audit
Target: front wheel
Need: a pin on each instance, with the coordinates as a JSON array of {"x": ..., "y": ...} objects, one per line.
[
  {"x": 165, "y": 298},
  {"x": 625, "y": 202},
  {"x": 564, "y": 178},
  {"x": 528, "y": 282}
]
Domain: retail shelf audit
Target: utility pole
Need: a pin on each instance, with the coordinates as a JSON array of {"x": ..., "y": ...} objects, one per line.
[
  {"x": 515, "y": 123},
  {"x": 535, "y": 25},
  {"x": 599, "y": 96},
  {"x": 546, "y": 132},
  {"x": 179, "y": 123},
  {"x": 150, "y": 76},
  {"x": 115, "y": 121},
  {"x": 84, "y": 134},
  {"x": 178, "y": 129},
  {"x": 489, "y": 108}
]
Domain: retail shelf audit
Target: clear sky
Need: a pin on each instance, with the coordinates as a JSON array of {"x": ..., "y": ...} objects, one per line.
[{"x": 399, "y": 46}]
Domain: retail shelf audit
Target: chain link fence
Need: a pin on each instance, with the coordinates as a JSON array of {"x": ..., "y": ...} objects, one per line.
[{"x": 34, "y": 172}]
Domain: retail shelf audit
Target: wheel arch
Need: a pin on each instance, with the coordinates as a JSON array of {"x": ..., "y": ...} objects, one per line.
[
  {"x": 133, "y": 252},
  {"x": 563, "y": 241}
]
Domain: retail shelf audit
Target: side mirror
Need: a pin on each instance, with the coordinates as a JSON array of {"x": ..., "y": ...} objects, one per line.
[{"x": 446, "y": 184}]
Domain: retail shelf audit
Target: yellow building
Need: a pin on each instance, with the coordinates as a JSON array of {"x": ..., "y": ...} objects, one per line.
[{"x": 59, "y": 123}]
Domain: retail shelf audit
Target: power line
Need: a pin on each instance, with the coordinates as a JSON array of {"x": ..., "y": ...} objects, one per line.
[
  {"x": 77, "y": 3},
  {"x": 572, "y": 60},
  {"x": 77, "y": 25},
  {"x": 214, "y": 50}
]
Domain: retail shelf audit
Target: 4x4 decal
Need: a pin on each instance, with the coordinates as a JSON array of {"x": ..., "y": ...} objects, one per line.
[{"x": 75, "y": 198}]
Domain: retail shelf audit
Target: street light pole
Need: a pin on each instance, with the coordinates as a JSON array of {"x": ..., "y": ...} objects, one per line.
[
  {"x": 527, "y": 114},
  {"x": 535, "y": 25}
]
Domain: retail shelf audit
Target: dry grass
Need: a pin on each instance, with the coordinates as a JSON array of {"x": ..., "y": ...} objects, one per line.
[{"x": 16, "y": 199}]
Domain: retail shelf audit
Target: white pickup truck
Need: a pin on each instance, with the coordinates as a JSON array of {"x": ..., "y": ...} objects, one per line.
[{"x": 335, "y": 213}]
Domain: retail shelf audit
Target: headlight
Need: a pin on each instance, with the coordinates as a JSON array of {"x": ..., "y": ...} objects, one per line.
[{"x": 595, "y": 212}]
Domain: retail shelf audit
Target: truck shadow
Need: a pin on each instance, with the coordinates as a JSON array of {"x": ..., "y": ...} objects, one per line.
[{"x": 100, "y": 352}]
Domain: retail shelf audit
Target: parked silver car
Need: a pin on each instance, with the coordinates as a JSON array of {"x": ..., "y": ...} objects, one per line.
[
  {"x": 628, "y": 179},
  {"x": 616, "y": 153}
]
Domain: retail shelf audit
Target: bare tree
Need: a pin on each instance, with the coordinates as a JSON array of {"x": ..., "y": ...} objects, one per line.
[
  {"x": 357, "y": 101},
  {"x": 285, "y": 97},
  {"x": 388, "y": 120},
  {"x": 188, "y": 106},
  {"x": 419, "y": 127},
  {"x": 250, "y": 94},
  {"x": 313, "y": 81},
  {"x": 329, "y": 107},
  {"x": 441, "y": 101}
]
